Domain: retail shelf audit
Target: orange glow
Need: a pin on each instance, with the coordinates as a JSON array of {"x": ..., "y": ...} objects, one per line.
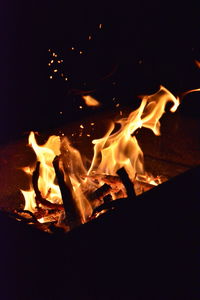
[
  {"x": 90, "y": 101},
  {"x": 197, "y": 63}
]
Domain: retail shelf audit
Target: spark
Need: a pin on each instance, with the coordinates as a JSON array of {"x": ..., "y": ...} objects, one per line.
[
  {"x": 66, "y": 78},
  {"x": 51, "y": 61},
  {"x": 49, "y": 64},
  {"x": 89, "y": 37},
  {"x": 50, "y": 77},
  {"x": 81, "y": 107},
  {"x": 92, "y": 124},
  {"x": 61, "y": 112},
  {"x": 120, "y": 113},
  {"x": 81, "y": 52},
  {"x": 73, "y": 48},
  {"x": 55, "y": 70},
  {"x": 59, "y": 61},
  {"x": 88, "y": 135},
  {"x": 81, "y": 126},
  {"x": 100, "y": 26},
  {"x": 117, "y": 105}
]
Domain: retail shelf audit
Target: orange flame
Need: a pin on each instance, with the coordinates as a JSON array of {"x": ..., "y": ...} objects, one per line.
[
  {"x": 111, "y": 152},
  {"x": 121, "y": 149},
  {"x": 45, "y": 154}
]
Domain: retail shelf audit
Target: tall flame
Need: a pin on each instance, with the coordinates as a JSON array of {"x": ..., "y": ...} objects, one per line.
[{"x": 121, "y": 148}]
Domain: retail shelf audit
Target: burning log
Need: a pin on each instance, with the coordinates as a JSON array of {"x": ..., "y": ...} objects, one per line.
[
  {"x": 21, "y": 215},
  {"x": 72, "y": 211},
  {"x": 140, "y": 186},
  {"x": 100, "y": 193},
  {"x": 38, "y": 197},
  {"x": 107, "y": 198},
  {"x": 32, "y": 218},
  {"x": 107, "y": 206},
  {"x": 127, "y": 183}
]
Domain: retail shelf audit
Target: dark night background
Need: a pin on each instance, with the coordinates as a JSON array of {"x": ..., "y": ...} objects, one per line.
[{"x": 140, "y": 46}]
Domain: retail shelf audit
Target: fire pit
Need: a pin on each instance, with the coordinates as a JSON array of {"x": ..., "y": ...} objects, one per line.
[
  {"x": 146, "y": 247},
  {"x": 65, "y": 190},
  {"x": 140, "y": 230}
]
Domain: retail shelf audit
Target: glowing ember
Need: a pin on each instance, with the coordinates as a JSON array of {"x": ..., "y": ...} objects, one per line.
[{"x": 90, "y": 101}]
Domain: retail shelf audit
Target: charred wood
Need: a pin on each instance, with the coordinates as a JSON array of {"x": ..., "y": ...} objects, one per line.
[
  {"x": 100, "y": 193},
  {"x": 108, "y": 205},
  {"x": 72, "y": 211},
  {"x": 127, "y": 183},
  {"x": 107, "y": 198}
]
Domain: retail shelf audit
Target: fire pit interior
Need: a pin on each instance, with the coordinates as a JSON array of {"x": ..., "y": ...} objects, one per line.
[{"x": 65, "y": 188}]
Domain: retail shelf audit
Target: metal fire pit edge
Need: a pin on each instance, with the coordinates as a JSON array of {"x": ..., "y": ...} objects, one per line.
[{"x": 148, "y": 248}]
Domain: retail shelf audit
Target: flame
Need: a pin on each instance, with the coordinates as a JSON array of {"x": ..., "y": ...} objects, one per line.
[
  {"x": 190, "y": 91},
  {"x": 29, "y": 197},
  {"x": 90, "y": 101},
  {"x": 74, "y": 168},
  {"x": 121, "y": 149},
  {"x": 45, "y": 154},
  {"x": 115, "y": 150}
]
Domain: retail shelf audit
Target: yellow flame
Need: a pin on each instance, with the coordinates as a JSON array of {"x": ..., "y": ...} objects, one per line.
[
  {"x": 45, "y": 154},
  {"x": 121, "y": 149},
  {"x": 73, "y": 166},
  {"x": 90, "y": 101},
  {"x": 29, "y": 197}
]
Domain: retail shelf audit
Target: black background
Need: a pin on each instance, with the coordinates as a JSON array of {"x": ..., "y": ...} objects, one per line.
[{"x": 140, "y": 46}]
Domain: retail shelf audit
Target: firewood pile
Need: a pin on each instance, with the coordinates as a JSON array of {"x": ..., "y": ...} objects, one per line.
[{"x": 53, "y": 217}]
